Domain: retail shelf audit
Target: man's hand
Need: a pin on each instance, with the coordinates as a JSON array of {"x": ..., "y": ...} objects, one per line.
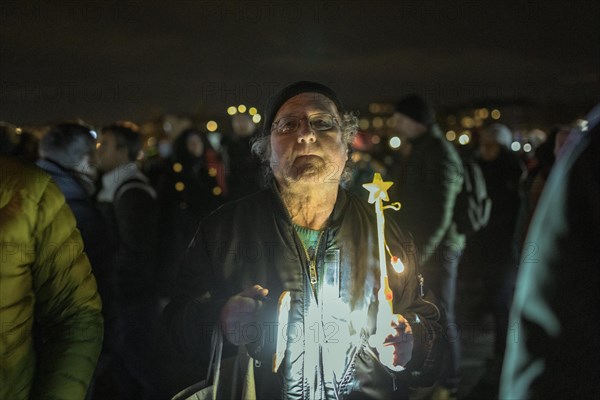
[
  {"x": 240, "y": 311},
  {"x": 394, "y": 343}
]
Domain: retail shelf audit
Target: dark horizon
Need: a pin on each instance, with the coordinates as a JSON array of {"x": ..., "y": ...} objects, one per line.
[{"x": 104, "y": 61}]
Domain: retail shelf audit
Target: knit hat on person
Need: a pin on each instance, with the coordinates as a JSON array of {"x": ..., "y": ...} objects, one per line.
[
  {"x": 276, "y": 101},
  {"x": 416, "y": 108}
]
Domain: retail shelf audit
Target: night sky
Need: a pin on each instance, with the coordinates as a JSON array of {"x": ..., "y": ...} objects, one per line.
[{"x": 106, "y": 60}]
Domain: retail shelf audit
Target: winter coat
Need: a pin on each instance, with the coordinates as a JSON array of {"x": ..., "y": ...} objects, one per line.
[
  {"x": 128, "y": 204},
  {"x": 50, "y": 321},
  {"x": 428, "y": 183},
  {"x": 496, "y": 242},
  {"x": 253, "y": 241},
  {"x": 89, "y": 220}
]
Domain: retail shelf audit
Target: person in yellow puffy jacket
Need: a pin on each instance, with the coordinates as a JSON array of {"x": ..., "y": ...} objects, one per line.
[{"x": 51, "y": 328}]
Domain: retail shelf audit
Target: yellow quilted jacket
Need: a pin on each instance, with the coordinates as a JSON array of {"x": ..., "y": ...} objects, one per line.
[{"x": 51, "y": 328}]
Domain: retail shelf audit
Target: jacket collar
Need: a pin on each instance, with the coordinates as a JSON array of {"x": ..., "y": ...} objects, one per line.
[
  {"x": 73, "y": 185},
  {"x": 113, "y": 179}
]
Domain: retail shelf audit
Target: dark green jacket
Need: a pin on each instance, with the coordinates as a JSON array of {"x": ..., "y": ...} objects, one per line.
[
  {"x": 428, "y": 183},
  {"x": 51, "y": 328}
]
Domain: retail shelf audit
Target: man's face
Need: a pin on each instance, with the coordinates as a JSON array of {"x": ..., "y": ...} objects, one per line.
[
  {"x": 109, "y": 155},
  {"x": 307, "y": 155}
]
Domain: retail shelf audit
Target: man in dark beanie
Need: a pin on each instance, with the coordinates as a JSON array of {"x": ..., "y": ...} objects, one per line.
[
  {"x": 311, "y": 244},
  {"x": 429, "y": 181}
]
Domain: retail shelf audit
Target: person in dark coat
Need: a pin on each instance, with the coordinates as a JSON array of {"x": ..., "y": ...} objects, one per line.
[
  {"x": 67, "y": 153},
  {"x": 128, "y": 205},
  {"x": 428, "y": 182},
  {"x": 493, "y": 249},
  {"x": 553, "y": 351},
  {"x": 187, "y": 193}
]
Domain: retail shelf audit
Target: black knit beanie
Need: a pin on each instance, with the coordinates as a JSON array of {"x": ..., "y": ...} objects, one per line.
[
  {"x": 416, "y": 108},
  {"x": 277, "y": 100}
]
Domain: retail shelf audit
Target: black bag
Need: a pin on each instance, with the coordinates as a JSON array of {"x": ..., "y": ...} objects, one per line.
[{"x": 473, "y": 205}]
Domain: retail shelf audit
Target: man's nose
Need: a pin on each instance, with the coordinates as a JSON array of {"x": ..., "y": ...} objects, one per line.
[{"x": 305, "y": 132}]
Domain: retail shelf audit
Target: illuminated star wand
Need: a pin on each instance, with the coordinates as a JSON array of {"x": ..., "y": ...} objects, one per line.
[{"x": 377, "y": 194}]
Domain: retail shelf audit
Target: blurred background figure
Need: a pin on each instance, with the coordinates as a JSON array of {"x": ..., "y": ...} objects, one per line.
[
  {"x": 187, "y": 192},
  {"x": 554, "y": 351},
  {"x": 50, "y": 311},
  {"x": 537, "y": 174},
  {"x": 68, "y": 154},
  {"x": 428, "y": 183},
  {"x": 493, "y": 249},
  {"x": 128, "y": 205},
  {"x": 244, "y": 174}
]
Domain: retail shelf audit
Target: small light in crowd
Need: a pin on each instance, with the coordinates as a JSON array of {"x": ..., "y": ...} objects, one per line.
[
  {"x": 18, "y": 131},
  {"x": 252, "y": 110},
  {"x": 374, "y": 108},
  {"x": 363, "y": 124},
  {"x": 377, "y": 122},
  {"x": 256, "y": 118},
  {"x": 231, "y": 110},
  {"x": 179, "y": 186},
  {"x": 242, "y": 108},
  {"x": 177, "y": 167},
  {"x": 217, "y": 191},
  {"x": 467, "y": 122},
  {"x": 515, "y": 146},
  {"x": 212, "y": 171},
  {"x": 451, "y": 136},
  {"x": 92, "y": 132},
  {"x": 395, "y": 142},
  {"x": 98, "y": 145},
  {"x": 526, "y": 147},
  {"x": 464, "y": 139},
  {"x": 496, "y": 114},
  {"x": 211, "y": 126},
  {"x": 375, "y": 139},
  {"x": 484, "y": 113},
  {"x": 356, "y": 156},
  {"x": 167, "y": 126}
]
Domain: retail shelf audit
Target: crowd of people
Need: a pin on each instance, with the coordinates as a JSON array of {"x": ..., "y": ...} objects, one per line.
[{"x": 116, "y": 268}]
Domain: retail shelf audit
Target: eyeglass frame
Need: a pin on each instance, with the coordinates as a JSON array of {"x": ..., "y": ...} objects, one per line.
[{"x": 308, "y": 120}]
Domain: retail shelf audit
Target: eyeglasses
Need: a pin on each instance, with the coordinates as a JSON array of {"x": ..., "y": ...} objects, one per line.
[{"x": 317, "y": 122}]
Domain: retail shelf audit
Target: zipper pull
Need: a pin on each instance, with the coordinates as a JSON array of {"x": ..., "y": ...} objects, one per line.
[
  {"x": 421, "y": 283},
  {"x": 313, "y": 273}
]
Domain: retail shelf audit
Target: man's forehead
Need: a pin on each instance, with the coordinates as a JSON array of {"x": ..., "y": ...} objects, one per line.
[{"x": 308, "y": 102}]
